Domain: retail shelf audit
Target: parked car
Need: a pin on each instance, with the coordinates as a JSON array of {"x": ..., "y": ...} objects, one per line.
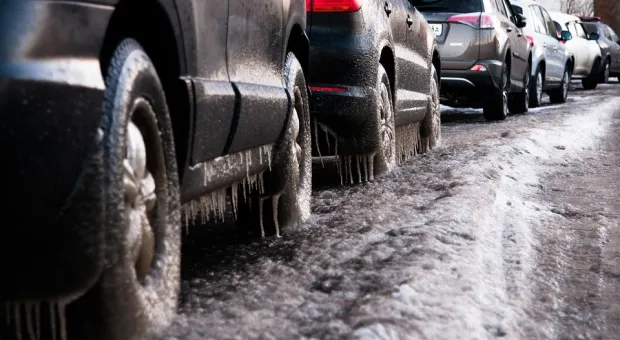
[
  {"x": 198, "y": 97},
  {"x": 485, "y": 58},
  {"x": 585, "y": 52},
  {"x": 552, "y": 66},
  {"x": 609, "y": 44},
  {"x": 374, "y": 77}
]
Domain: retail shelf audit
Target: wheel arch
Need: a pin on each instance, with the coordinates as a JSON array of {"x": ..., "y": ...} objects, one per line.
[
  {"x": 299, "y": 44},
  {"x": 436, "y": 62},
  {"x": 155, "y": 25},
  {"x": 386, "y": 59}
]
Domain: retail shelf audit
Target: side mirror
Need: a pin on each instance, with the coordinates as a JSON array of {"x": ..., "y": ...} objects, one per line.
[
  {"x": 593, "y": 36},
  {"x": 566, "y": 36},
  {"x": 521, "y": 20}
]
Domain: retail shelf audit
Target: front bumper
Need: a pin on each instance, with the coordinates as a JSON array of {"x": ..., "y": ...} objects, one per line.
[{"x": 51, "y": 96}]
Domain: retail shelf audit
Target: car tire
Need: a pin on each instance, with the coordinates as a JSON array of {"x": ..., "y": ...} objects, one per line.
[
  {"x": 496, "y": 107},
  {"x": 560, "y": 95},
  {"x": 520, "y": 102},
  {"x": 430, "y": 132},
  {"x": 138, "y": 289},
  {"x": 537, "y": 83},
  {"x": 605, "y": 72},
  {"x": 285, "y": 201},
  {"x": 384, "y": 159},
  {"x": 591, "y": 81}
]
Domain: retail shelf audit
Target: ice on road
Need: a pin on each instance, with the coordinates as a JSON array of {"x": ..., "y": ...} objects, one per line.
[{"x": 467, "y": 242}]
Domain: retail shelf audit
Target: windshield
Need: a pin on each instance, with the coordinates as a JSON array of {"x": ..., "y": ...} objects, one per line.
[
  {"x": 590, "y": 27},
  {"x": 451, "y": 6}
]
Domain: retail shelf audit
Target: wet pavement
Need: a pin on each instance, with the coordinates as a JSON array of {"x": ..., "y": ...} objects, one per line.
[{"x": 508, "y": 230}]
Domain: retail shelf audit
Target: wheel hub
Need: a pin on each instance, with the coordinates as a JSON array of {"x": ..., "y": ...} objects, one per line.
[{"x": 140, "y": 200}]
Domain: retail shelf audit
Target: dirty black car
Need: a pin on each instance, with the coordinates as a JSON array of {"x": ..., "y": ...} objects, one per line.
[
  {"x": 374, "y": 79},
  {"x": 118, "y": 116}
]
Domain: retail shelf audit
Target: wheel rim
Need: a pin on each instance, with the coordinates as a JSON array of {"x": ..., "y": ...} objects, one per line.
[
  {"x": 140, "y": 192},
  {"x": 539, "y": 87},
  {"x": 386, "y": 128}
]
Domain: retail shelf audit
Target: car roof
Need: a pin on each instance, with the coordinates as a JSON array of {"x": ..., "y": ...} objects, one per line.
[
  {"x": 525, "y": 3},
  {"x": 564, "y": 18}
]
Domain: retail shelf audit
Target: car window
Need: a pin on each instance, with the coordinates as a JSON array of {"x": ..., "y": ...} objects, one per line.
[
  {"x": 550, "y": 25},
  {"x": 499, "y": 4},
  {"x": 581, "y": 32},
  {"x": 517, "y": 9},
  {"x": 452, "y": 6},
  {"x": 511, "y": 12},
  {"x": 539, "y": 22},
  {"x": 558, "y": 28},
  {"x": 591, "y": 27}
]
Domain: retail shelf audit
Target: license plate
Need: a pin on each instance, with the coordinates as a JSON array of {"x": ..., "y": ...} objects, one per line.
[{"x": 437, "y": 28}]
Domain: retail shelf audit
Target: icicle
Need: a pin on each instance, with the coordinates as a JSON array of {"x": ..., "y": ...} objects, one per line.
[
  {"x": 350, "y": 164},
  {"x": 329, "y": 148},
  {"x": 274, "y": 204},
  {"x": 269, "y": 157},
  {"x": 18, "y": 323},
  {"x": 37, "y": 319},
  {"x": 29, "y": 321},
  {"x": 359, "y": 171},
  {"x": 260, "y": 155},
  {"x": 365, "y": 166},
  {"x": 316, "y": 140},
  {"x": 371, "y": 166},
  {"x": 233, "y": 197},
  {"x": 260, "y": 216},
  {"x": 53, "y": 319},
  {"x": 63, "y": 320}
]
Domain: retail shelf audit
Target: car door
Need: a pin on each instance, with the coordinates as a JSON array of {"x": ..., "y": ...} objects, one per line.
[
  {"x": 413, "y": 57},
  {"x": 518, "y": 43},
  {"x": 615, "y": 50},
  {"x": 395, "y": 14},
  {"x": 585, "y": 45},
  {"x": 214, "y": 96},
  {"x": 554, "y": 51},
  {"x": 255, "y": 67}
]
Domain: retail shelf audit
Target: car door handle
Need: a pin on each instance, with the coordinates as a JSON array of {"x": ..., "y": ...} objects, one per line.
[
  {"x": 388, "y": 8},
  {"x": 508, "y": 29},
  {"x": 544, "y": 44},
  {"x": 409, "y": 21}
]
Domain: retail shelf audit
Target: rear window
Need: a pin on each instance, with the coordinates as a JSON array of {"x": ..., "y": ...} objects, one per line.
[
  {"x": 450, "y": 6},
  {"x": 590, "y": 27}
]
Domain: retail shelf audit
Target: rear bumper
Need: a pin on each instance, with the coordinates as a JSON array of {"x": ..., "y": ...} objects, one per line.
[
  {"x": 344, "y": 61},
  {"x": 51, "y": 96},
  {"x": 466, "y": 87}
]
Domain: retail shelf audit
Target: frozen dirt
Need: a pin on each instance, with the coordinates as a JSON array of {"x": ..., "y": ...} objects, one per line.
[{"x": 508, "y": 230}]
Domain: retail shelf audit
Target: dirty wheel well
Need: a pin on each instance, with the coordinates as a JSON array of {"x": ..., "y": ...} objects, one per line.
[
  {"x": 147, "y": 23},
  {"x": 299, "y": 45},
  {"x": 387, "y": 61},
  {"x": 437, "y": 64}
]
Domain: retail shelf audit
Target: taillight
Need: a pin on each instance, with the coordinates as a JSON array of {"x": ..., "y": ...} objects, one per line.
[
  {"x": 342, "y": 6},
  {"x": 476, "y": 20},
  {"x": 530, "y": 39}
]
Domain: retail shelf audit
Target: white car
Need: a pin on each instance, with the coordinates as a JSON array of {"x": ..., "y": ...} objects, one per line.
[
  {"x": 551, "y": 65},
  {"x": 585, "y": 51}
]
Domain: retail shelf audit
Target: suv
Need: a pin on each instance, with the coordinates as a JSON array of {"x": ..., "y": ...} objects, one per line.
[
  {"x": 609, "y": 43},
  {"x": 552, "y": 66},
  {"x": 115, "y": 115},
  {"x": 485, "y": 58},
  {"x": 585, "y": 52},
  {"x": 374, "y": 77}
]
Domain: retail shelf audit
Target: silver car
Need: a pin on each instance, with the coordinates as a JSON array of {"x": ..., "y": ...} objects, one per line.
[
  {"x": 551, "y": 64},
  {"x": 584, "y": 51}
]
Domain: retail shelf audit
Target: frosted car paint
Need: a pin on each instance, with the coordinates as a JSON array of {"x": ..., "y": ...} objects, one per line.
[
  {"x": 547, "y": 47},
  {"x": 610, "y": 49},
  {"x": 52, "y": 55},
  {"x": 584, "y": 51},
  {"x": 345, "y": 49},
  {"x": 462, "y": 47}
]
